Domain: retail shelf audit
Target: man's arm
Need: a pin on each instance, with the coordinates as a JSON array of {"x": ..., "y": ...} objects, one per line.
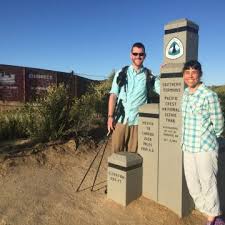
[{"x": 111, "y": 109}]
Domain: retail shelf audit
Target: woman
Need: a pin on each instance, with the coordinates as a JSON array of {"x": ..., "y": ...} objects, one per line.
[{"x": 202, "y": 124}]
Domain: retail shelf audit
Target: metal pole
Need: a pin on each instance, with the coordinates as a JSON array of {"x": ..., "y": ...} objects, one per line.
[
  {"x": 99, "y": 164},
  {"x": 88, "y": 170}
]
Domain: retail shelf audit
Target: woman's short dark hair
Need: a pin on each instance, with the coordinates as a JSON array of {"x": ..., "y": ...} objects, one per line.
[
  {"x": 194, "y": 64},
  {"x": 138, "y": 45}
]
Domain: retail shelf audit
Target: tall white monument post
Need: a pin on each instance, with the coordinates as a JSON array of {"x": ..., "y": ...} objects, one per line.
[{"x": 180, "y": 45}]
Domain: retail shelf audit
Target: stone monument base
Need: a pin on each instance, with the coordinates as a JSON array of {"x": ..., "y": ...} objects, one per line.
[{"x": 124, "y": 182}]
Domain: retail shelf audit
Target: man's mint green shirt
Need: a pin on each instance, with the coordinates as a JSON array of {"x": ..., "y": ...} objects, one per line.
[{"x": 135, "y": 95}]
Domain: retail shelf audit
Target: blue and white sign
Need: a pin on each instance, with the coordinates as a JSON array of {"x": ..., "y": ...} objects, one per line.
[{"x": 174, "y": 49}]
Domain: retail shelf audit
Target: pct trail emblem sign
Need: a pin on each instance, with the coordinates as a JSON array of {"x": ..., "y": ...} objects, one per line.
[{"x": 174, "y": 49}]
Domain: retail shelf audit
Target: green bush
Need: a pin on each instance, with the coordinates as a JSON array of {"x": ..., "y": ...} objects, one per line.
[
  {"x": 48, "y": 118},
  {"x": 57, "y": 115},
  {"x": 13, "y": 124},
  {"x": 90, "y": 110}
]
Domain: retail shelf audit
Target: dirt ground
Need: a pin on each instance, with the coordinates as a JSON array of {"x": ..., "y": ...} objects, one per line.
[{"x": 38, "y": 187}]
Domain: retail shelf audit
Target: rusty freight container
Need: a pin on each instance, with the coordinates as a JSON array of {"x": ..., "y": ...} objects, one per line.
[
  {"x": 37, "y": 81},
  {"x": 68, "y": 79},
  {"x": 77, "y": 85},
  {"x": 81, "y": 85},
  {"x": 12, "y": 83},
  {"x": 24, "y": 84}
]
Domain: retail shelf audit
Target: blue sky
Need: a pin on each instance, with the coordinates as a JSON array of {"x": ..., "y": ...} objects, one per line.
[{"x": 94, "y": 37}]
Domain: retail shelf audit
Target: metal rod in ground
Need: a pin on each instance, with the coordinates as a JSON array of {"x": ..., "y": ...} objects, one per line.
[
  {"x": 99, "y": 164},
  {"x": 88, "y": 170}
]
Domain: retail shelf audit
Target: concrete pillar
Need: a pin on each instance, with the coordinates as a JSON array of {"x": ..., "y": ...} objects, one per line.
[
  {"x": 124, "y": 180},
  {"x": 180, "y": 45},
  {"x": 148, "y": 148}
]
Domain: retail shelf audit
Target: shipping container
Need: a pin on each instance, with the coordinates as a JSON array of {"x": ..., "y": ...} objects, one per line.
[
  {"x": 25, "y": 84},
  {"x": 12, "y": 83},
  {"x": 68, "y": 79},
  {"x": 37, "y": 81}
]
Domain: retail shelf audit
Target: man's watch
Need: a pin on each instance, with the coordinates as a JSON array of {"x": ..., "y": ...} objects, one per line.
[{"x": 110, "y": 116}]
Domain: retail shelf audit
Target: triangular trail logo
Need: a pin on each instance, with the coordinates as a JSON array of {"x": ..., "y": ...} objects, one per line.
[{"x": 174, "y": 49}]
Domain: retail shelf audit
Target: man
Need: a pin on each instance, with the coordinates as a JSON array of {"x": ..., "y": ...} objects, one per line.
[{"x": 128, "y": 93}]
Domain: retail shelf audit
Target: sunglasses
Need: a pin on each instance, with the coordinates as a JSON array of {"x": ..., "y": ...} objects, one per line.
[{"x": 138, "y": 54}]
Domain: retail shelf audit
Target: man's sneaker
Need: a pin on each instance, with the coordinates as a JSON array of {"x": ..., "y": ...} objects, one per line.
[{"x": 219, "y": 221}]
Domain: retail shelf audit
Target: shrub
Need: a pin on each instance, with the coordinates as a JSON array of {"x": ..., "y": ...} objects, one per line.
[
  {"x": 56, "y": 114},
  {"x": 90, "y": 110},
  {"x": 49, "y": 117},
  {"x": 13, "y": 124}
]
